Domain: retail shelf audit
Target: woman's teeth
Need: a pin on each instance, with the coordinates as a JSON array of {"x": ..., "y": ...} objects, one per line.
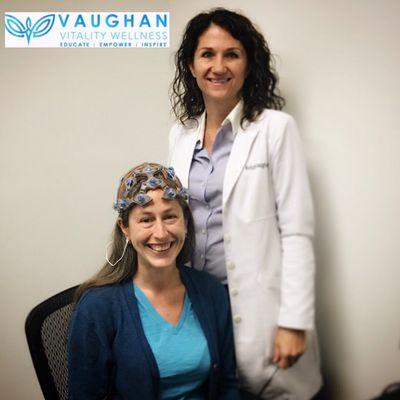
[
  {"x": 159, "y": 247},
  {"x": 219, "y": 80}
]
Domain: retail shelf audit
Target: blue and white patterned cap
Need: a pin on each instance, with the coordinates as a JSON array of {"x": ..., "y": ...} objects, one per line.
[{"x": 149, "y": 176}]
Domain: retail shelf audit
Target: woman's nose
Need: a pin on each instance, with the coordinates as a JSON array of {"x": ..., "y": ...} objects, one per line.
[
  {"x": 219, "y": 66},
  {"x": 160, "y": 230}
]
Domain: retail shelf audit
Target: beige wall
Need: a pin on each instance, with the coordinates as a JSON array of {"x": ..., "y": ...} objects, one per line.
[{"x": 72, "y": 121}]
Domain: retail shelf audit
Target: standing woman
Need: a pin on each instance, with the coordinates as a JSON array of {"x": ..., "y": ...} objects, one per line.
[{"x": 242, "y": 161}]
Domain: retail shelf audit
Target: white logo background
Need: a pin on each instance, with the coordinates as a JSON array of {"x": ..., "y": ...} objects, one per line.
[{"x": 91, "y": 30}]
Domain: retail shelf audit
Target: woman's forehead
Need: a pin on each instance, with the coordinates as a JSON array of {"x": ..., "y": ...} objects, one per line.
[
  {"x": 158, "y": 203},
  {"x": 216, "y": 35}
]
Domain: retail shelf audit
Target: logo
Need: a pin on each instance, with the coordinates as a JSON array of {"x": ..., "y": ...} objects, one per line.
[
  {"x": 40, "y": 28},
  {"x": 87, "y": 29}
]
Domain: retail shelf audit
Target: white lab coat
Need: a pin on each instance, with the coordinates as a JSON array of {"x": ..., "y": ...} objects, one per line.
[{"x": 268, "y": 230}]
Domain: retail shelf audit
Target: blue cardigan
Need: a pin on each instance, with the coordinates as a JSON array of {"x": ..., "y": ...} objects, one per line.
[{"x": 109, "y": 356}]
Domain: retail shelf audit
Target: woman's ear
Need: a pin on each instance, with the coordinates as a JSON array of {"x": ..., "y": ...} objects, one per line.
[{"x": 123, "y": 228}]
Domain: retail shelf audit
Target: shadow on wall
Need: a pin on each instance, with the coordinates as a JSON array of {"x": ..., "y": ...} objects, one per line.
[{"x": 329, "y": 320}]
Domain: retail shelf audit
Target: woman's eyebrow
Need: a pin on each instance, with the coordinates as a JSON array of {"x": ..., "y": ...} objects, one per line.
[
  {"x": 144, "y": 213},
  {"x": 212, "y": 48},
  {"x": 168, "y": 210}
]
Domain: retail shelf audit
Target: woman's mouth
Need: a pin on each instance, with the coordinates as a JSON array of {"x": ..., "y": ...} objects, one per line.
[
  {"x": 160, "y": 247},
  {"x": 219, "y": 81}
]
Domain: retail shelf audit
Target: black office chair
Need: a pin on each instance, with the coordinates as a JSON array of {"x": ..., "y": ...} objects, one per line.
[
  {"x": 391, "y": 392},
  {"x": 46, "y": 329}
]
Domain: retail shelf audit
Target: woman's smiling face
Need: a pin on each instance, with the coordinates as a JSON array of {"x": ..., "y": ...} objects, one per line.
[
  {"x": 157, "y": 231},
  {"x": 219, "y": 66}
]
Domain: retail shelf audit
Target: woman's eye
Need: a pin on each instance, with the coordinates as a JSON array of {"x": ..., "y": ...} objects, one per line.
[
  {"x": 170, "y": 217},
  {"x": 145, "y": 220},
  {"x": 232, "y": 55},
  {"x": 206, "y": 54}
]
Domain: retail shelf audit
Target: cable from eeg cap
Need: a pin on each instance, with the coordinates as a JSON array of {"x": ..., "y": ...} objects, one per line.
[{"x": 122, "y": 256}]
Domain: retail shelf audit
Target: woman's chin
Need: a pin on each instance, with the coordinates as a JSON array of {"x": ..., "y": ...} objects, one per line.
[{"x": 160, "y": 261}]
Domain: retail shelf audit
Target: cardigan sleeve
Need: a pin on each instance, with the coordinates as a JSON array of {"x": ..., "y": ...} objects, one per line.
[
  {"x": 296, "y": 226},
  {"x": 89, "y": 355}
]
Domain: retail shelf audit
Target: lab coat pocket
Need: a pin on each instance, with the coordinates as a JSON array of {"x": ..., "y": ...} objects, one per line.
[
  {"x": 269, "y": 287},
  {"x": 268, "y": 281},
  {"x": 254, "y": 193}
]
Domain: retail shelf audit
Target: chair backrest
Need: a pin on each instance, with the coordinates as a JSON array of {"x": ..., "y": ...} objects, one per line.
[{"x": 46, "y": 329}]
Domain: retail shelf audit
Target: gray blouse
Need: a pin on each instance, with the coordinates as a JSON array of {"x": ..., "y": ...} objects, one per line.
[{"x": 206, "y": 179}]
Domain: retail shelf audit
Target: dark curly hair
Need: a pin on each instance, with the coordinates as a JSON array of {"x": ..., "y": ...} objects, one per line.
[{"x": 260, "y": 86}]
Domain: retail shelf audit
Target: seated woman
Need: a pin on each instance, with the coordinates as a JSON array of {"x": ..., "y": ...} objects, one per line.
[{"x": 146, "y": 326}]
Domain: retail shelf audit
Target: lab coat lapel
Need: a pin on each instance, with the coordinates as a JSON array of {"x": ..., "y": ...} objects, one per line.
[
  {"x": 185, "y": 156},
  {"x": 237, "y": 159}
]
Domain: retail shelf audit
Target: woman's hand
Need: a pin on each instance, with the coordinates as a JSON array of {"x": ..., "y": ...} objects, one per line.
[{"x": 290, "y": 344}]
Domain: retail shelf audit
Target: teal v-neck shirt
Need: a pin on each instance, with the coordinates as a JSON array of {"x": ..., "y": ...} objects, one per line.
[{"x": 181, "y": 351}]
